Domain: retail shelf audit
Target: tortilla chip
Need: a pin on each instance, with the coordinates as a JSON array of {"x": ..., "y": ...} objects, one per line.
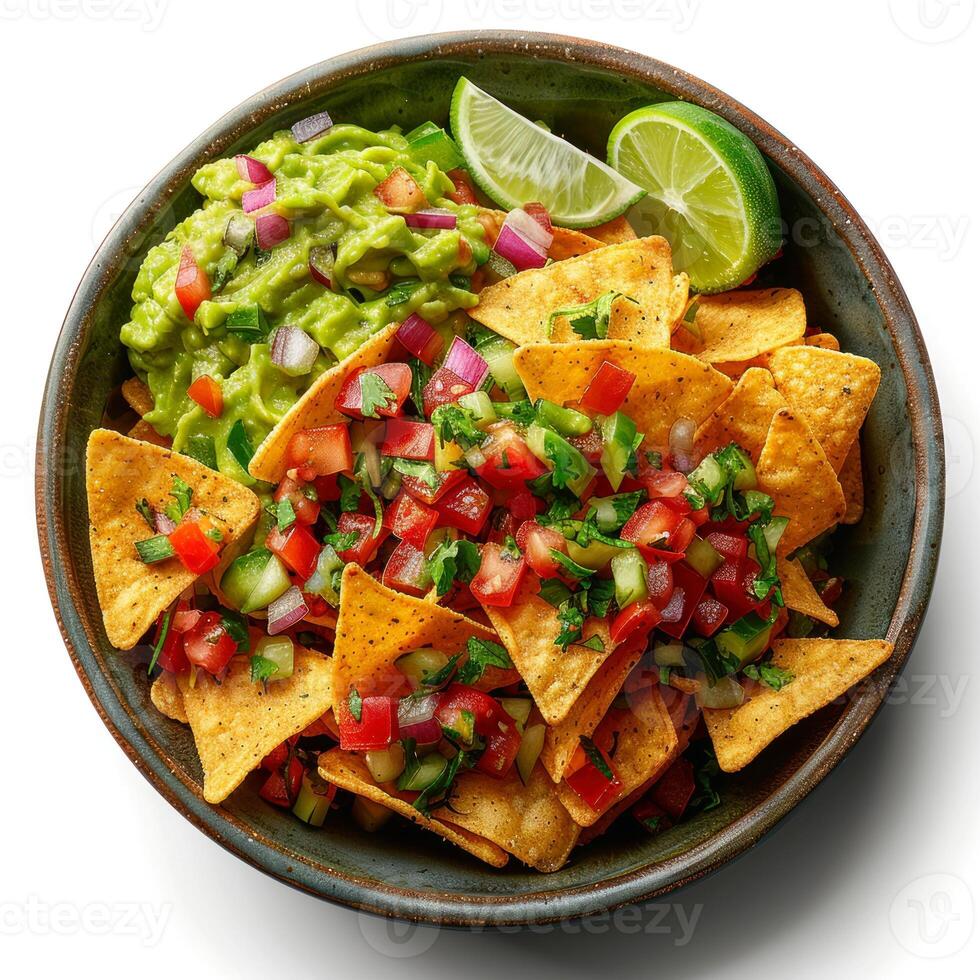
[
  {"x": 120, "y": 472},
  {"x": 167, "y": 699},
  {"x": 852, "y": 481},
  {"x": 669, "y": 385},
  {"x": 613, "y": 232},
  {"x": 526, "y": 821},
  {"x": 376, "y": 625},
  {"x": 794, "y": 471},
  {"x": 743, "y": 417},
  {"x": 555, "y": 678},
  {"x": 831, "y": 390},
  {"x": 316, "y": 407},
  {"x": 238, "y": 722},
  {"x": 519, "y": 307},
  {"x": 138, "y": 396},
  {"x": 347, "y": 770},
  {"x": 825, "y": 340},
  {"x": 680, "y": 293},
  {"x": 567, "y": 242},
  {"x": 641, "y": 742},
  {"x": 799, "y": 593},
  {"x": 562, "y": 740},
  {"x": 823, "y": 670},
  {"x": 145, "y": 432}
]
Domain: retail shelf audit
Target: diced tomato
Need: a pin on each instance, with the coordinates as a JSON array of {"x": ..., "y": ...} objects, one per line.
[
  {"x": 709, "y": 615},
  {"x": 700, "y": 517},
  {"x": 320, "y": 452},
  {"x": 192, "y": 287},
  {"x": 662, "y": 483},
  {"x": 509, "y": 463},
  {"x": 277, "y": 791},
  {"x": 540, "y": 214},
  {"x": 831, "y": 590},
  {"x": 378, "y": 726},
  {"x": 466, "y": 507},
  {"x": 688, "y": 589},
  {"x": 443, "y": 388},
  {"x": 488, "y": 715},
  {"x": 422, "y": 492},
  {"x": 463, "y": 192},
  {"x": 197, "y": 551},
  {"x": 296, "y": 547},
  {"x": 524, "y": 506},
  {"x": 400, "y": 192},
  {"x": 500, "y": 753},
  {"x": 502, "y": 525},
  {"x": 650, "y": 528},
  {"x": 731, "y": 546},
  {"x": 536, "y": 543},
  {"x": 674, "y": 789},
  {"x": 327, "y": 487},
  {"x": 407, "y": 570},
  {"x": 608, "y": 389},
  {"x": 363, "y": 549},
  {"x": 499, "y": 577},
  {"x": 398, "y": 377},
  {"x": 651, "y": 817},
  {"x": 208, "y": 645},
  {"x": 660, "y": 582},
  {"x": 276, "y": 759},
  {"x": 409, "y": 440},
  {"x": 207, "y": 393},
  {"x": 683, "y": 535},
  {"x": 727, "y": 579},
  {"x": 637, "y": 617},
  {"x": 304, "y": 499},
  {"x": 184, "y": 619},
  {"x": 172, "y": 657},
  {"x": 409, "y": 520},
  {"x": 596, "y": 789}
]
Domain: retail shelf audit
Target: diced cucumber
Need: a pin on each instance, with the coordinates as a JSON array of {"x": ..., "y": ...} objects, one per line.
[
  {"x": 254, "y": 580},
  {"x": 278, "y": 649},
  {"x": 745, "y": 478},
  {"x": 426, "y": 772},
  {"x": 548, "y": 446},
  {"x": 773, "y": 531},
  {"x": 708, "y": 478},
  {"x": 746, "y": 639},
  {"x": 386, "y": 765},
  {"x": 518, "y": 708},
  {"x": 431, "y": 142},
  {"x": 618, "y": 442},
  {"x": 669, "y": 655},
  {"x": 702, "y": 557},
  {"x": 368, "y": 815},
  {"x": 479, "y": 405},
  {"x": 321, "y": 581},
  {"x": 498, "y": 352},
  {"x": 313, "y": 800},
  {"x": 629, "y": 576},
  {"x": 565, "y": 421},
  {"x": 532, "y": 742},
  {"x": 724, "y": 693},
  {"x": 420, "y": 664},
  {"x": 594, "y": 555}
]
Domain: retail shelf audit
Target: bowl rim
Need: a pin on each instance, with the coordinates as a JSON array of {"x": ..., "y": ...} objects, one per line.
[{"x": 545, "y": 905}]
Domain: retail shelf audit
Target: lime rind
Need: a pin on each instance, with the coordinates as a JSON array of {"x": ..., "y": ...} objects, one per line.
[{"x": 514, "y": 161}]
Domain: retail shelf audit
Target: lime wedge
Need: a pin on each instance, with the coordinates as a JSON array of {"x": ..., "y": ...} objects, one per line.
[
  {"x": 709, "y": 192},
  {"x": 515, "y": 161}
]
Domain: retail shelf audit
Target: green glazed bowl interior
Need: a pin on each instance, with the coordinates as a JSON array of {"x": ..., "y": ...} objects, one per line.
[{"x": 580, "y": 89}]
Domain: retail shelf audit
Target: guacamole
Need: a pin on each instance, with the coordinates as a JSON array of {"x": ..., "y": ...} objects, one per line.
[{"x": 384, "y": 271}]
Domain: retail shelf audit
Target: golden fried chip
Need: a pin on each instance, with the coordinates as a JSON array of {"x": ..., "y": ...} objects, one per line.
[
  {"x": 526, "y": 821},
  {"x": 743, "y": 417},
  {"x": 316, "y": 406},
  {"x": 348, "y": 771},
  {"x": 669, "y": 385},
  {"x": 613, "y": 232},
  {"x": 519, "y": 307},
  {"x": 138, "y": 396},
  {"x": 679, "y": 295},
  {"x": 119, "y": 473},
  {"x": 826, "y": 340},
  {"x": 794, "y": 471},
  {"x": 145, "y": 432},
  {"x": 640, "y": 741},
  {"x": 376, "y": 625},
  {"x": 831, "y": 390},
  {"x": 852, "y": 482},
  {"x": 562, "y": 740},
  {"x": 167, "y": 699},
  {"x": 822, "y": 671},
  {"x": 556, "y": 678},
  {"x": 567, "y": 243},
  {"x": 238, "y": 722},
  {"x": 799, "y": 593}
]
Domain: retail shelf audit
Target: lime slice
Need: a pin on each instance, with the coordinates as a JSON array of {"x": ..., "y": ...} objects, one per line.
[
  {"x": 709, "y": 192},
  {"x": 515, "y": 161}
]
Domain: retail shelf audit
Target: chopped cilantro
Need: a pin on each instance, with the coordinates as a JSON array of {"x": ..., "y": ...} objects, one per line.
[
  {"x": 594, "y": 642},
  {"x": 161, "y": 639},
  {"x": 341, "y": 540},
  {"x": 285, "y": 515},
  {"x": 350, "y": 493},
  {"x": 594, "y": 756},
  {"x": 234, "y": 625},
  {"x": 456, "y": 424},
  {"x": 554, "y": 591},
  {"x": 419, "y": 468},
  {"x": 355, "y": 704},
  {"x": 441, "y": 676},
  {"x": 376, "y": 394},
  {"x": 145, "y": 511},
  {"x": 572, "y": 567},
  {"x": 768, "y": 673},
  {"x": 182, "y": 494},
  {"x": 480, "y": 655},
  {"x": 453, "y": 561},
  {"x": 421, "y": 373},
  {"x": 589, "y": 320},
  {"x": 263, "y": 668}
]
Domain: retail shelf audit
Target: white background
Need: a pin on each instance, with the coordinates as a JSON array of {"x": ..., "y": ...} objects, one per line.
[{"x": 879, "y": 869}]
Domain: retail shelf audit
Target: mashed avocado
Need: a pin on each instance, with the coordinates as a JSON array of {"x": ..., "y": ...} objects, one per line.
[{"x": 325, "y": 189}]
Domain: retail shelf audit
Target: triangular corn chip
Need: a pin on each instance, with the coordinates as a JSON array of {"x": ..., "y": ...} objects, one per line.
[
  {"x": 822, "y": 671},
  {"x": 669, "y": 385},
  {"x": 567, "y": 242},
  {"x": 794, "y": 471},
  {"x": 831, "y": 390},
  {"x": 376, "y": 625},
  {"x": 316, "y": 406},
  {"x": 348, "y": 771},
  {"x": 799, "y": 593},
  {"x": 167, "y": 699},
  {"x": 852, "y": 481},
  {"x": 138, "y": 396},
  {"x": 120, "y": 472},
  {"x": 613, "y": 232},
  {"x": 238, "y": 722},
  {"x": 826, "y": 340},
  {"x": 519, "y": 307}
]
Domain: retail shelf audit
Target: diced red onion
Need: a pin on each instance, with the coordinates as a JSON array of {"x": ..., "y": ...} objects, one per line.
[
  {"x": 413, "y": 711},
  {"x": 540, "y": 214},
  {"x": 311, "y": 126},
  {"x": 518, "y": 250},
  {"x": 251, "y": 169},
  {"x": 294, "y": 351},
  {"x": 431, "y": 218},
  {"x": 261, "y": 197},
  {"x": 414, "y": 334},
  {"x": 270, "y": 230},
  {"x": 466, "y": 364},
  {"x": 530, "y": 229},
  {"x": 425, "y": 732},
  {"x": 238, "y": 233},
  {"x": 321, "y": 265},
  {"x": 681, "y": 444},
  {"x": 164, "y": 524},
  {"x": 287, "y": 611}
]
